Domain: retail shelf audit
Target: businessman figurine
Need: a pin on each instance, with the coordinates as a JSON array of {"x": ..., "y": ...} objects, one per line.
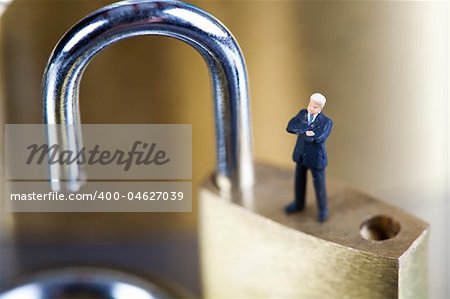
[{"x": 312, "y": 128}]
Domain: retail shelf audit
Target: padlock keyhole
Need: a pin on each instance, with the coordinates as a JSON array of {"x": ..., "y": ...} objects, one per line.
[{"x": 379, "y": 228}]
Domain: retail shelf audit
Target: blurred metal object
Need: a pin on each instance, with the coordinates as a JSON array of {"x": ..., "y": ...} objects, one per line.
[
  {"x": 84, "y": 283},
  {"x": 4, "y": 5},
  {"x": 366, "y": 249},
  {"x": 168, "y": 18}
]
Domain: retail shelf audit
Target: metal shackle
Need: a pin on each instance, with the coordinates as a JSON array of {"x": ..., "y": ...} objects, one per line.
[{"x": 175, "y": 19}]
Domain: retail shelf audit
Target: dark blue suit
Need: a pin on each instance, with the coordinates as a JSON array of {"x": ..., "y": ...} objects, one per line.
[{"x": 310, "y": 153}]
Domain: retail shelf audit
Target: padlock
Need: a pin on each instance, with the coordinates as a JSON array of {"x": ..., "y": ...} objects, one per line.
[
  {"x": 252, "y": 249},
  {"x": 249, "y": 247},
  {"x": 167, "y": 18}
]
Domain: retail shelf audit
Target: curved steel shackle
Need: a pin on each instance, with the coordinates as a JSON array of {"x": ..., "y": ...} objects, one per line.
[{"x": 168, "y": 18}]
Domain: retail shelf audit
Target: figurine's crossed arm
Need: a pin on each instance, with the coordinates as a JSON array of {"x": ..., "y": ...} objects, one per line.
[
  {"x": 325, "y": 133},
  {"x": 295, "y": 127}
]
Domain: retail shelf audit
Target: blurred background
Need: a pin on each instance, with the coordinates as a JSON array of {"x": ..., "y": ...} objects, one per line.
[{"x": 383, "y": 67}]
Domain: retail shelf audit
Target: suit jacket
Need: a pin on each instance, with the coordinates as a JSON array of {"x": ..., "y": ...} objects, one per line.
[{"x": 310, "y": 150}]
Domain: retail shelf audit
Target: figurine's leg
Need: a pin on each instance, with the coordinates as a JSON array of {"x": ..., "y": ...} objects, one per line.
[
  {"x": 321, "y": 192},
  {"x": 300, "y": 187}
]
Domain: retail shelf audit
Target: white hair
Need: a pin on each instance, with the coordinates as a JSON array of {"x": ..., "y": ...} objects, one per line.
[{"x": 318, "y": 98}]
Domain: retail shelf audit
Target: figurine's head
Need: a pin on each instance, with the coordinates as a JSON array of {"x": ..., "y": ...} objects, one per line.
[{"x": 316, "y": 103}]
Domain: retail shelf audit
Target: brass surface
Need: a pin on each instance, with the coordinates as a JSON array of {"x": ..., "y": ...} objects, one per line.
[{"x": 251, "y": 248}]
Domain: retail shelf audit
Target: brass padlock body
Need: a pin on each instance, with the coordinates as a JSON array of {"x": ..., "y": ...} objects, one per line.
[{"x": 251, "y": 249}]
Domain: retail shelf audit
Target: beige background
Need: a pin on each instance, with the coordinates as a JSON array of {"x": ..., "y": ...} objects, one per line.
[{"x": 382, "y": 65}]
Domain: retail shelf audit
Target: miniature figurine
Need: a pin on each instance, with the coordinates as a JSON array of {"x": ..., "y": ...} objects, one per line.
[{"x": 312, "y": 128}]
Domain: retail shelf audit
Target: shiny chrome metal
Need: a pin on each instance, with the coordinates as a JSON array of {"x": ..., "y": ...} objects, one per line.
[
  {"x": 95, "y": 283},
  {"x": 168, "y": 18}
]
